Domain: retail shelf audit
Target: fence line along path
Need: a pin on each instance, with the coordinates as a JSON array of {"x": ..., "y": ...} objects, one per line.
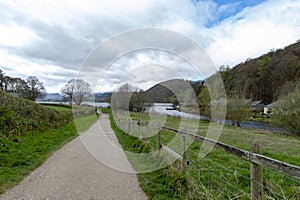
[
  {"x": 257, "y": 161},
  {"x": 72, "y": 173}
]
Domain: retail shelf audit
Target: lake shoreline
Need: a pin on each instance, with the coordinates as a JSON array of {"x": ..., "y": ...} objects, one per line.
[{"x": 162, "y": 109}]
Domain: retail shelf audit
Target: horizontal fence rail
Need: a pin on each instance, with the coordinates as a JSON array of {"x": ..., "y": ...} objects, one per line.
[
  {"x": 289, "y": 169},
  {"x": 171, "y": 152},
  {"x": 257, "y": 161},
  {"x": 286, "y": 168}
]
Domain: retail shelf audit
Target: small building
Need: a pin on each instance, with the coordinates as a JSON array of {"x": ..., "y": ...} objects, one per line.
[
  {"x": 268, "y": 108},
  {"x": 257, "y": 106}
]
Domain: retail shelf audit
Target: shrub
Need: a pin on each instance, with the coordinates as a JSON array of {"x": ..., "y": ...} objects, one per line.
[
  {"x": 20, "y": 116},
  {"x": 287, "y": 112}
]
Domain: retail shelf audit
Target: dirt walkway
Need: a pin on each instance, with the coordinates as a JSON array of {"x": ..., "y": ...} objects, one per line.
[{"x": 72, "y": 173}]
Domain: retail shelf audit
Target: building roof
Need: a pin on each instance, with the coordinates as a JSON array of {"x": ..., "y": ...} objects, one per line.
[
  {"x": 248, "y": 101},
  {"x": 274, "y": 104},
  {"x": 255, "y": 103}
]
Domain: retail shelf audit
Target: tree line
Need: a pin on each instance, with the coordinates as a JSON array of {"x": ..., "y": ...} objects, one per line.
[
  {"x": 31, "y": 88},
  {"x": 75, "y": 90},
  {"x": 264, "y": 78},
  {"x": 130, "y": 98},
  {"x": 273, "y": 77}
]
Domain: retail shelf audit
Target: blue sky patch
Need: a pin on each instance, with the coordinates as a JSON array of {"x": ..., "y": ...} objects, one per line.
[{"x": 228, "y": 8}]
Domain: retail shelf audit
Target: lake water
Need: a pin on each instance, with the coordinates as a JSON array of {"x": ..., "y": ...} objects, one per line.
[
  {"x": 161, "y": 108},
  {"x": 98, "y": 104}
]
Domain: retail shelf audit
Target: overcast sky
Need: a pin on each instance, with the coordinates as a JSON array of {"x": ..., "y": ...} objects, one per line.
[{"x": 50, "y": 39}]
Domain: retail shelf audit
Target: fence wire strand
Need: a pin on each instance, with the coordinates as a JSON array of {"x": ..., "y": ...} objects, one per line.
[{"x": 218, "y": 174}]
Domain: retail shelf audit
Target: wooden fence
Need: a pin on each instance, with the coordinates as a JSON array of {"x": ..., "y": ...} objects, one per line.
[{"x": 257, "y": 161}]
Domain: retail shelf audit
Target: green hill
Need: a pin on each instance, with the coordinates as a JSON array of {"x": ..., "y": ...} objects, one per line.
[
  {"x": 164, "y": 91},
  {"x": 19, "y": 116},
  {"x": 266, "y": 77}
]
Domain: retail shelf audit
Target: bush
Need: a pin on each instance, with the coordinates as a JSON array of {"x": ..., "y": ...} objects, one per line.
[
  {"x": 237, "y": 110},
  {"x": 287, "y": 112},
  {"x": 19, "y": 116}
]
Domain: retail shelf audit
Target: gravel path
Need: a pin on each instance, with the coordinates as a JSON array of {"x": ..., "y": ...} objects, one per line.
[{"x": 73, "y": 173}]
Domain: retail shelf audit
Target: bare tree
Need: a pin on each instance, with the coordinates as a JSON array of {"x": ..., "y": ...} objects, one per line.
[
  {"x": 130, "y": 98},
  {"x": 121, "y": 98},
  {"x": 2, "y": 76},
  {"x": 76, "y": 90},
  {"x": 204, "y": 101},
  {"x": 237, "y": 110},
  {"x": 34, "y": 88},
  {"x": 139, "y": 101},
  {"x": 16, "y": 85}
]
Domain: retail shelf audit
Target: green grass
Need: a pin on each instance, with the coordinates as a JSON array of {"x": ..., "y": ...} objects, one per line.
[
  {"x": 20, "y": 116},
  {"x": 84, "y": 123},
  {"x": 18, "y": 159},
  {"x": 219, "y": 175},
  {"x": 161, "y": 184},
  {"x": 58, "y": 108}
]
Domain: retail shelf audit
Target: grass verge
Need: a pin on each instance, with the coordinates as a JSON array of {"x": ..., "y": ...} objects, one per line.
[
  {"x": 166, "y": 183},
  {"x": 59, "y": 108},
  {"x": 219, "y": 175},
  {"x": 18, "y": 159},
  {"x": 84, "y": 123}
]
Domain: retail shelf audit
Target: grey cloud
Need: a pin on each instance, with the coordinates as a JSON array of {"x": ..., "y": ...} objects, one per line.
[
  {"x": 66, "y": 43},
  {"x": 58, "y": 45}
]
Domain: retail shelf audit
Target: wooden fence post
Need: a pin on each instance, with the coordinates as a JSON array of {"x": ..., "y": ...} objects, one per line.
[
  {"x": 146, "y": 132},
  {"x": 132, "y": 126},
  {"x": 184, "y": 156},
  {"x": 117, "y": 122},
  {"x": 139, "y": 132},
  {"x": 128, "y": 126},
  {"x": 256, "y": 171},
  {"x": 124, "y": 126},
  {"x": 158, "y": 142}
]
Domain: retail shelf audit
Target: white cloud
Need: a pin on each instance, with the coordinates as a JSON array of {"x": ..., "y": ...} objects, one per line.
[
  {"x": 52, "y": 76},
  {"x": 16, "y": 36},
  {"x": 146, "y": 68},
  {"x": 255, "y": 31},
  {"x": 50, "y": 39}
]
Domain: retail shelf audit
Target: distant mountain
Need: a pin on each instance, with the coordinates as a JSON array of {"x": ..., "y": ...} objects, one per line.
[
  {"x": 56, "y": 97},
  {"x": 165, "y": 91},
  {"x": 101, "y": 97},
  {"x": 51, "y": 97},
  {"x": 266, "y": 77}
]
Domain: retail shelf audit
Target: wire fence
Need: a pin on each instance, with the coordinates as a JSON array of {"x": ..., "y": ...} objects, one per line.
[{"x": 247, "y": 175}]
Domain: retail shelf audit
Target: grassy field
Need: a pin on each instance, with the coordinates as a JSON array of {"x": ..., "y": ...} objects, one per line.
[
  {"x": 219, "y": 175},
  {"x": 59, "y": 108},
  {"x": 17, "y": 159}
]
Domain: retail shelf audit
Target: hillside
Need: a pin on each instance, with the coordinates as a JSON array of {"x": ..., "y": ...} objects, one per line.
[
  {"x": 266, "y": 77},
  {"x": 50, "y": 97},
  {"x": 101, "y": 97},
  {"x": 19, "y": 116},
  {"x": 164, "y": 91}
]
